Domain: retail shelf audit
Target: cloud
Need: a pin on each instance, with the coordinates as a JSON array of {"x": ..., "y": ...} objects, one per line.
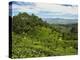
[
  {"x": 21, "y": 3},
  {"x": 68, "y": 5},
  {"x": 56, "y": 7},
  {"x": 45, "y": 10}
]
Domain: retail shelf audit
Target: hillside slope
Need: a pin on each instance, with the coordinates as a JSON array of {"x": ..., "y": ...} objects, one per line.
[{"x": 33, "y": 37}]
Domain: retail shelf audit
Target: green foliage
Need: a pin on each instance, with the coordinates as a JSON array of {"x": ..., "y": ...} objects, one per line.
[{"x": 32, "y": 37}]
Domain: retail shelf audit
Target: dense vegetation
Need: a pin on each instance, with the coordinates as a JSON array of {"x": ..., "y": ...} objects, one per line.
[{"x": 33, "y": 37}]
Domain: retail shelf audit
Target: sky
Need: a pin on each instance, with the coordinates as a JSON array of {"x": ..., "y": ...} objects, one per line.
[{"x": 45, "y": 10}]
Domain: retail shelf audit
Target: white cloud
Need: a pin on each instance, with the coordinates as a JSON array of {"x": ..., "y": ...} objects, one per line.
[
  {"x": 52, "y": 9},
  {"x": 55, "y": 7}
]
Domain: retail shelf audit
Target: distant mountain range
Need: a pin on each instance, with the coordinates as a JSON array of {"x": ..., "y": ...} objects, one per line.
[{"x": 60, "y": 20}]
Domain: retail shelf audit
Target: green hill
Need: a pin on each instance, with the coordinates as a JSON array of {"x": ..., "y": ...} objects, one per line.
[{"x": 33, "y": 37}]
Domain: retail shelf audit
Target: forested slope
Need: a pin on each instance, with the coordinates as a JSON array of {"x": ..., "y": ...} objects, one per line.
[{"x": 33, "y": 37}]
